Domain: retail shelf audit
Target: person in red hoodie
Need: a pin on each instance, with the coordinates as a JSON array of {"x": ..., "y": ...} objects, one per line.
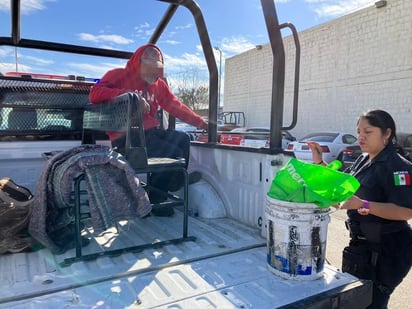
[{"x": 143, "y": 74}]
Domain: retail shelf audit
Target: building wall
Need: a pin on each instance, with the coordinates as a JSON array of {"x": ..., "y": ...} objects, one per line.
[{"x": 349, "y": 65}]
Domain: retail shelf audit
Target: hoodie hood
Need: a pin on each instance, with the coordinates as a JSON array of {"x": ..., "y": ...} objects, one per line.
[{"x": 133, "y": 64}]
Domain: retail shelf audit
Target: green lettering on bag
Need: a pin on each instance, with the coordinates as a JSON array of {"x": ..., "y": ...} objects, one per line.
[{"x": 292, "y": 171}]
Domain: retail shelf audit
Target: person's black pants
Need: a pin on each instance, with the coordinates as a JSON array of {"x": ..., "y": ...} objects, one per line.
[
  {"x": 166, "y": 144},
  {"x": 393, "y": 262}
]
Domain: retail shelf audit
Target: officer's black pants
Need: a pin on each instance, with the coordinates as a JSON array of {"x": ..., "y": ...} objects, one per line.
[{"x": 393, "y": 263}]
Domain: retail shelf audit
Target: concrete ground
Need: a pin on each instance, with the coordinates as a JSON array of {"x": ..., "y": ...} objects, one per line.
[{"x": 338, "y": 238}]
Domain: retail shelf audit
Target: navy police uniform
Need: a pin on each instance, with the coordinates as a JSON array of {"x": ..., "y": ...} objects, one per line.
[{"x": 380, "y": 249}]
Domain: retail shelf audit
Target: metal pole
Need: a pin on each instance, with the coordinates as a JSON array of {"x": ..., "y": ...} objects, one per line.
[
  {"x": 220, "y": 72},
  {"x": 15, "y": 58}
]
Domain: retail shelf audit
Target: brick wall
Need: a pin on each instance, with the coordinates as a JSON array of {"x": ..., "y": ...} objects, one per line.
[{"x": 349, "y": 65}]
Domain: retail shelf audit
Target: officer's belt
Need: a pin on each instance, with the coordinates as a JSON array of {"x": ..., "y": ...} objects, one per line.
[{"x": 372, "y": 231}]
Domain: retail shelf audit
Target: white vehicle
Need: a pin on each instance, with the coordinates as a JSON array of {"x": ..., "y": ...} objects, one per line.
[
  {"x": 258, "y": 137},
  {"x": 332, "y": 142}
]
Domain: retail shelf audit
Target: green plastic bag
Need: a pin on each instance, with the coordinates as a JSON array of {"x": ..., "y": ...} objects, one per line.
[{"x": 303, "y": 182}]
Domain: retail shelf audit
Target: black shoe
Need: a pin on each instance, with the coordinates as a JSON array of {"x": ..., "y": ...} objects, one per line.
[
  {"x": 157, "y": 198},
  {"x": 163, "y": 211},
  {"x": 194, "y": 177}
]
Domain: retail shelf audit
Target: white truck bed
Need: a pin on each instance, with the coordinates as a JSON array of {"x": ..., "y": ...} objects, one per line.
[{"x": 225, "y": 267}]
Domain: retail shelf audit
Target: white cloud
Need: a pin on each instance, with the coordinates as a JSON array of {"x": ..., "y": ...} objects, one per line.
[
  {"x": 8, "y": 63},
  {"x": 186, "y": 60},
  {"x": 172, "y": 42},
  {"x": 6, "y": 52},
  {"x": 111, "y": 38},
  {"x": 4, "y": 5},
  {"x": 335, "y": 8},
  {"x": 144, "y": 25},
  {"x": 143, "y": 31},
  {"x": 236, "y": 45},
  {"x": 187, "y": 26},
  {"x": 27, "y": 6},
  {"x": 94, "y": 71},
  {"x": 11, "y": 67},
  {"x": 36, "y": 60},
  {"x": 196, "y": 61}
]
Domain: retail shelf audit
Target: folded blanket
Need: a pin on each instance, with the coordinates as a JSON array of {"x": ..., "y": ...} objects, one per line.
[{"x": 113, "y": 191}]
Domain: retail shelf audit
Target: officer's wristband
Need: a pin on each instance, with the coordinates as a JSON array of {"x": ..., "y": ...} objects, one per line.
[
  {"x": 365, "y": 209},
  {"x": 366, "y": 204}
]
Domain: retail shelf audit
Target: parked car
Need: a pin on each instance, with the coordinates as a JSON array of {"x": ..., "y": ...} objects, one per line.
[
  {"x": 332, "y": 142},
  {"x": 192, "y": 131},
  {"x": 226, "y": 122},
  {"x": 231, "y": 120},
  {"x": 255, "y": 137},
  {"x": 352, "y": 152}
]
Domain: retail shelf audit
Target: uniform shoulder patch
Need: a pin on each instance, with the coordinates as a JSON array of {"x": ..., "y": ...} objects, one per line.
[{"x": 402, "y": 178}]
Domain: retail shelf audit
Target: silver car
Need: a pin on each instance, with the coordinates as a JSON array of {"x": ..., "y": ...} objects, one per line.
[{"x": 258, "y": 137}]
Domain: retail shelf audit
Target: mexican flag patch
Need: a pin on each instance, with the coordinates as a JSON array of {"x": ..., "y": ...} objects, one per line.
[{"x": 402, "y": 178}]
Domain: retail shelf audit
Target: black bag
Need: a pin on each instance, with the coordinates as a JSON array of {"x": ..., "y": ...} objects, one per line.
[
  {"x": 10, "y": 192},
  {"x": 15, "y": 211},
  {"x": 359, "y": 261}
]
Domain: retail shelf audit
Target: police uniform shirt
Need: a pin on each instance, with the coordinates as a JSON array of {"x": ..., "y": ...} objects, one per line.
[{"x": 386, "y": 179}]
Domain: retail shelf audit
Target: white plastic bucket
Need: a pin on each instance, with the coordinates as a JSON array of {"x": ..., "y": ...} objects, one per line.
[{"x": 296, "y": 239}]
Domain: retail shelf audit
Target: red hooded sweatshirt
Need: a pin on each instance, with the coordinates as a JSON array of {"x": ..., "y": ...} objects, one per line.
[{"x": 122, "y": 80}]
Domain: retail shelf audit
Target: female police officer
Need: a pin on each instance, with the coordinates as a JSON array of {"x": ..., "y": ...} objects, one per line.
[{"x": 380, "y": 248}]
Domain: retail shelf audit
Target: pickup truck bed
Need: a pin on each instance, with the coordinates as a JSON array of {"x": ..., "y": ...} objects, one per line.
[{"x": 225, "y": 267}]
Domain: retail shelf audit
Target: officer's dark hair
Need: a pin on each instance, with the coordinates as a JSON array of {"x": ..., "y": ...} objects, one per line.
[{"x": 384, "y": 121}]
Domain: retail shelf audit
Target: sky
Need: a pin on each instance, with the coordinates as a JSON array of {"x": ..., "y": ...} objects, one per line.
[{"x": 234, "y": 26}]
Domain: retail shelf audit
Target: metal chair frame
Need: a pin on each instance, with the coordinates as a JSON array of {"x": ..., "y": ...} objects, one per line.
[{"x": 123, "y": 114}]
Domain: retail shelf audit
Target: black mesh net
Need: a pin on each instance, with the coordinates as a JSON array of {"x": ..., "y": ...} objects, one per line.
[{"x": 42, "y": 109}]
